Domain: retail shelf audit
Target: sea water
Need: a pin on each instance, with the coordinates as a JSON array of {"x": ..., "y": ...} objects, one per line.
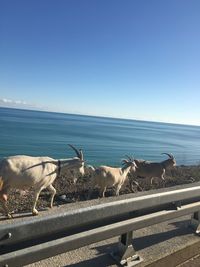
[{"x": 103, "y": 140}]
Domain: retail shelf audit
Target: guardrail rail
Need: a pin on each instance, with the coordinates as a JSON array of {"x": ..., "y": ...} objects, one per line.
[{"x": 25, "y": 242}]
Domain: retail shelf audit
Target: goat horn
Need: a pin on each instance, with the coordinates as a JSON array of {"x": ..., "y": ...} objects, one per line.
[
  {"x": 124, "y": 161},
  {"x": 128, "y": 157},
  {"x": 81, "y": 154},
  {"x": 76, "y": 151},
  {"x": 169, "y": 155}
]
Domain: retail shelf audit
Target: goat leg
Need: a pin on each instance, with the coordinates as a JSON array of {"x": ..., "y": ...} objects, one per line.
[
  {"x": 102, "y": 191},
  {"x": 4, "y": 198},
  {"x": 53, "y": 192},
  {"x": 5, "y": 207},
  {"x": 37, "y": 193}
]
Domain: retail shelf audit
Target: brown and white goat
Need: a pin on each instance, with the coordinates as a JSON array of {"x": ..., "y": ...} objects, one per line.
[{"x": 147, "y": 169}]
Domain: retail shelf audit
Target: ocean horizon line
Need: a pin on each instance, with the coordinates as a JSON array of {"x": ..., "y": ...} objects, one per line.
[{"x": 99, "y": 116}]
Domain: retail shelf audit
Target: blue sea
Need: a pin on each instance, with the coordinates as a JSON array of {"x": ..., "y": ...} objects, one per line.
[{"x": 103, "y": 140}]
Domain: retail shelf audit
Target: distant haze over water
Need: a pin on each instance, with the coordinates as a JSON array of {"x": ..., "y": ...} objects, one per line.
[{"x": 103, "y": 140}]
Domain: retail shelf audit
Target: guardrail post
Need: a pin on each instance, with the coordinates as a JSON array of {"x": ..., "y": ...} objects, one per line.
[
  {"x": 125, "y": 255},
  {"x": 195, "y": 222}
]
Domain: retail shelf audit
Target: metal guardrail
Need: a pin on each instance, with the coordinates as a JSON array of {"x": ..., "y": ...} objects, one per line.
[{"x": 25, "y": 242}]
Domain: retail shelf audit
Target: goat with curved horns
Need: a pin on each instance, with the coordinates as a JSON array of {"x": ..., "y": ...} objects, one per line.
[
  {"x": 106, "y": 176},
  {"x": 147, "y": 169},
  {"x": 21, "y": 172}
]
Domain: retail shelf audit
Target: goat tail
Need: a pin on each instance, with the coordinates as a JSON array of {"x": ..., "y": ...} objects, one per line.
[{"x": 1, "y": 183}]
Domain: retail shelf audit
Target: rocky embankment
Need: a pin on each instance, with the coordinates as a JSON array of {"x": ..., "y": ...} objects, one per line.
[{"x": 21, "y": 201}]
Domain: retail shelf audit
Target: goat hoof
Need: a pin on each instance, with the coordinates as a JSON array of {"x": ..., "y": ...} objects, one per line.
[{"x": 35, "y": 212}]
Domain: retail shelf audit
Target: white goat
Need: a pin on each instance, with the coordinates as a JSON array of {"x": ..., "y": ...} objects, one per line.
[
  {"x": 147, "y": 169},
  {"x": 21, "y": 172},
  {"x": 106, "y": 176}
]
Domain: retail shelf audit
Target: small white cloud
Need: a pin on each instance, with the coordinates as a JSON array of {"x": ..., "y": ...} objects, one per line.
[
  {"x": 10, "y": 101},
  {"x": 6, "y": 100},
  {"x": 19, "y": 102}
]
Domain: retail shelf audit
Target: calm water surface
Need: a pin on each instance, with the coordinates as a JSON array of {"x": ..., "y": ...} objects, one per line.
[{"x": 104, "y": 140}]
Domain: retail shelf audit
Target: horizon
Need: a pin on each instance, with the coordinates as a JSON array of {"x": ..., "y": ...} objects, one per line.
[
  {"x": 96, "y": 116},
  {"x": 136, "y": 60}
]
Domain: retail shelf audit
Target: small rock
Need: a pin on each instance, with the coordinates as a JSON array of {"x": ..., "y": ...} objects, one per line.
[{"x": 64, "y": 199}]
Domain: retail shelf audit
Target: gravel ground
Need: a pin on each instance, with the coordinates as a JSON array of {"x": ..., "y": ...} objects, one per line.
[{"x": 21, "y": 201}]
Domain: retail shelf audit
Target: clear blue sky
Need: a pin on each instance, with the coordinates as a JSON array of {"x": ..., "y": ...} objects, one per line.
[{"x": 133, "y": 59}]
